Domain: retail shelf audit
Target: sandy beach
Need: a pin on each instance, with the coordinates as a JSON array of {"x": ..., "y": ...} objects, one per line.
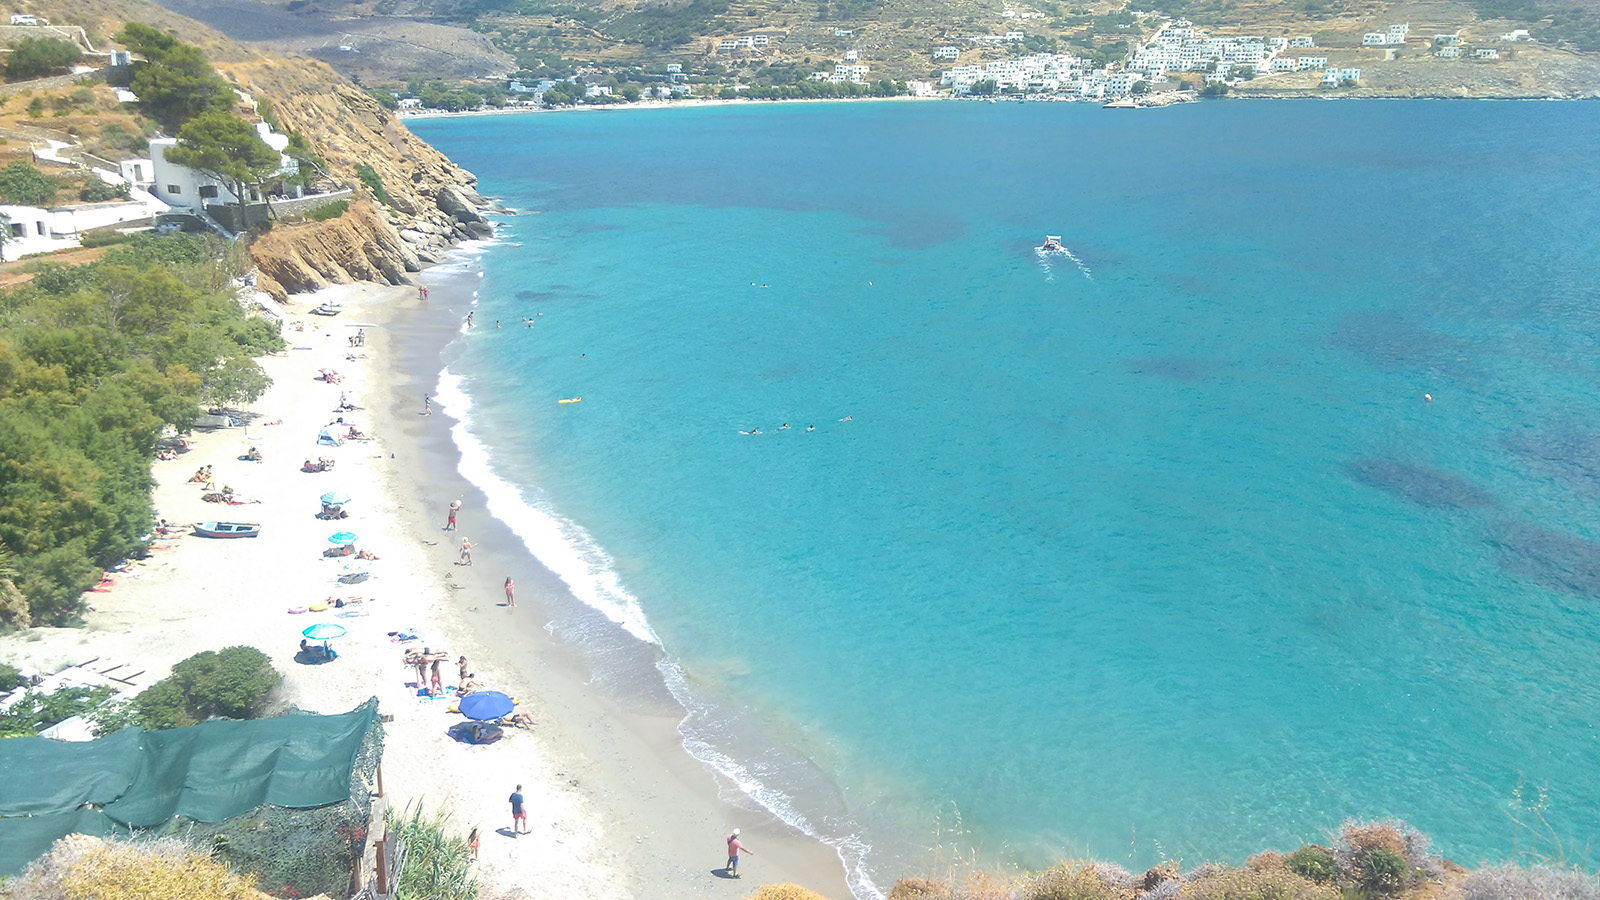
[{"x": 617, "y": 808}]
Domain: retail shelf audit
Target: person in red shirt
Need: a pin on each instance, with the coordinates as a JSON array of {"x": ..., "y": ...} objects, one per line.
[{"x": 734, "y": 848}]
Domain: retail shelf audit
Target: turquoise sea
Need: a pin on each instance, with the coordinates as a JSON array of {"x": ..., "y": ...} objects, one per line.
[{"x": 1157, "y": 549}]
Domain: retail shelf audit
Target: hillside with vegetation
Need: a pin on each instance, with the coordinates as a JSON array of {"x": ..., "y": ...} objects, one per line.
[
  {"x": 628, "y": 43},
  {"x": 109, "y": 351}
]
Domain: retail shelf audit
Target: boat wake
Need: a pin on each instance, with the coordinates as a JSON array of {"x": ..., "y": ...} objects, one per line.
[{"x": 1052, "y": 246}]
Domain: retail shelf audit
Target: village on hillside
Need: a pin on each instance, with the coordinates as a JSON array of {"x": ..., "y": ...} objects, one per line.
[{"x": 1158, "y": 59}]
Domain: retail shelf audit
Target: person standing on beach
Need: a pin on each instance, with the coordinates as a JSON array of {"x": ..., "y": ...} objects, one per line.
[
  {"x": 466, "y": 552},
  {"x": 472, "y": 842},
  {"x": 519, "y": 818},
  {"x": 450, "y": 522},
  {"x": 511, "y": 593},
  {"x": 734, "y": 849},
  {"x": 427, "y": 404},
  {"x": 462, "y": 665},
  {"x": 436, "y": 682}
]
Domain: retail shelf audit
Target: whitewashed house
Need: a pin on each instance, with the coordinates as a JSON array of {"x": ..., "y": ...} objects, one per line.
[
  {"x": 1330, "y": 78},
  {"x": 1284, "y": 64},
  {"x": 1308, "y": 63},
  {"x": 1374, "y": 39},
  {"x": 178, "y": 185},
  {"x": 1297, "y": 42},
  {"x": 34, "y": 229},
  {"x": 851, "y": 56},
  {"x": 140, "y": 173},
  {"x": 1521, "y": 34},
  {"x": 1486, "y": 53},
  {"x": 25, "y": 19},
  {"x": 1351, "y": 75},
  {"x": 1398, "y": 33},
  {"x": 1450, "y": 52},
  {"x": 943, "y": 53}
]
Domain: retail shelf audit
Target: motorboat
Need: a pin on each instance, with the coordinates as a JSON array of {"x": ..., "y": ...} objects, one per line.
[
  {"x": 228, "y": 529},
  {"x": 327, "y": 309},
  {"x": 1052, "y": 244}
]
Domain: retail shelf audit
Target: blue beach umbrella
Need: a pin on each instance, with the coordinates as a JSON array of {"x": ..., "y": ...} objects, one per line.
[
  {"x": 335, "y": 498},
  {"x": 324, "y": 631},
  {"x": 486, "y": 705},
  {"x": 342, "y": 538}
]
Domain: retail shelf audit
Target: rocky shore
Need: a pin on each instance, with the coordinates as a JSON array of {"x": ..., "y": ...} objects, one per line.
[{"x": 416, "y": 203}]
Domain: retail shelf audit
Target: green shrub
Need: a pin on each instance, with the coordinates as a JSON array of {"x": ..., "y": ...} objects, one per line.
[
  {"x": 24, "y": 185},
  {"x": 98, "y": 191},
  {"x": 1384, "y": 871},
  {"x": 9, "y": 678},
  {"x": 438, "y": 865},
  {"x": 233, "y": 684},
  {"x": 369, "y": 177},
  {"x": 35, "y": 712},
  {"x": 330, "y": 211},
  {"x": 1313, "y": 863},
  {"x": 32, "y": 57},
  {"x": 103, "y": 240}
]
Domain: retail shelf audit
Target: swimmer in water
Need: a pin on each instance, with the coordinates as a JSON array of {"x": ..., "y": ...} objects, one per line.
[
  {"x": 846, "y": 419},
  {"x": 751, "y": 431},
  {"x": 784, "y": 427},
  {"x": 811, "y": 428}
]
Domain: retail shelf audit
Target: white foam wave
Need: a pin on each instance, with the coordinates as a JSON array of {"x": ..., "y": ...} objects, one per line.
[
  {"x": 563, "y": 547},
  {"x": 1079, "y": 263},
  {"x": 568, "y": 550},
  {"x": 851, "y": 846}
]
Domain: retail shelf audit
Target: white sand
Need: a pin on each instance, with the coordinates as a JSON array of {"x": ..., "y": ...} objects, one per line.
[{"x": 616, "y": 810}]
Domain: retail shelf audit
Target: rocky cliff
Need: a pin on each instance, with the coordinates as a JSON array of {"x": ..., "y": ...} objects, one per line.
[{"x": 429, "y": 202}]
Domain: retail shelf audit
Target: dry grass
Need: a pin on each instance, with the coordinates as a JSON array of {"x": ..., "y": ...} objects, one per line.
[{"x": 86, "y": 868}]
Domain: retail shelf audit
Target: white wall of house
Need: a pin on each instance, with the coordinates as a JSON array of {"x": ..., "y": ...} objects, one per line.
[
  {"x": 178, "y": 185},
  {"x": 33, "y": 229}
]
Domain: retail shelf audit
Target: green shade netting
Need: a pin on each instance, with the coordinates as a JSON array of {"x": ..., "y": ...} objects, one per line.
[{"x": 208, "y": 772}]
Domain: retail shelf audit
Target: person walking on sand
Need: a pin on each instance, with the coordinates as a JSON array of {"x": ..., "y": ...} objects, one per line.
[
  {"x": 519, "y": 818},
  {"x": 472, "y": 842},
  {"x": 511, "y": 593},
  {"x": 427, "y": 404},
  {"x": 734, "y": 849},
  {"x": 450, "y": 521},
  {"x": 436, "y": 682},
  {"x": 462, "y": 665},
  {"x": 466, "y": 552}
]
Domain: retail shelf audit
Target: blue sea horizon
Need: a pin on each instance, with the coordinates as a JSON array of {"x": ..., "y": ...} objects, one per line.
[{"x": 1270, "y": 505}]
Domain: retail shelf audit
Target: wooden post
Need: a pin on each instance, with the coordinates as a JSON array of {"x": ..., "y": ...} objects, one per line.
[
  {"x": 382, "y": 867},
  {"x": 380, "y": 779}
]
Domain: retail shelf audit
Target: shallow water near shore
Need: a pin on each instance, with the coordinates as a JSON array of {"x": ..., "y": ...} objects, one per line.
[{"x": 1157, "y": 549}]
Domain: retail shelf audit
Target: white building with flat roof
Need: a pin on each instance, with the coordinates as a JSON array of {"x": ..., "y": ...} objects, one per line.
[{"x": 177, "y": 185}]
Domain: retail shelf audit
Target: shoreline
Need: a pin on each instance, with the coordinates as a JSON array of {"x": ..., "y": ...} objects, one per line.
[
  {"x": 1236, "y": 95},
  {"x": 582, "y": 660},
  {"x": 617, "y": 805}
]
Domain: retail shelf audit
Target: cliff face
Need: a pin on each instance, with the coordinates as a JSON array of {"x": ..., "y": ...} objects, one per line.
[
  {"x": 431, "y": 202},
  {"x": 360, "y": 245}
]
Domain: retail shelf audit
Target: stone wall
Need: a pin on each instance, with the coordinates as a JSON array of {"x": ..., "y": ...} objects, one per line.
[{"x": 282, "y": 210}]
